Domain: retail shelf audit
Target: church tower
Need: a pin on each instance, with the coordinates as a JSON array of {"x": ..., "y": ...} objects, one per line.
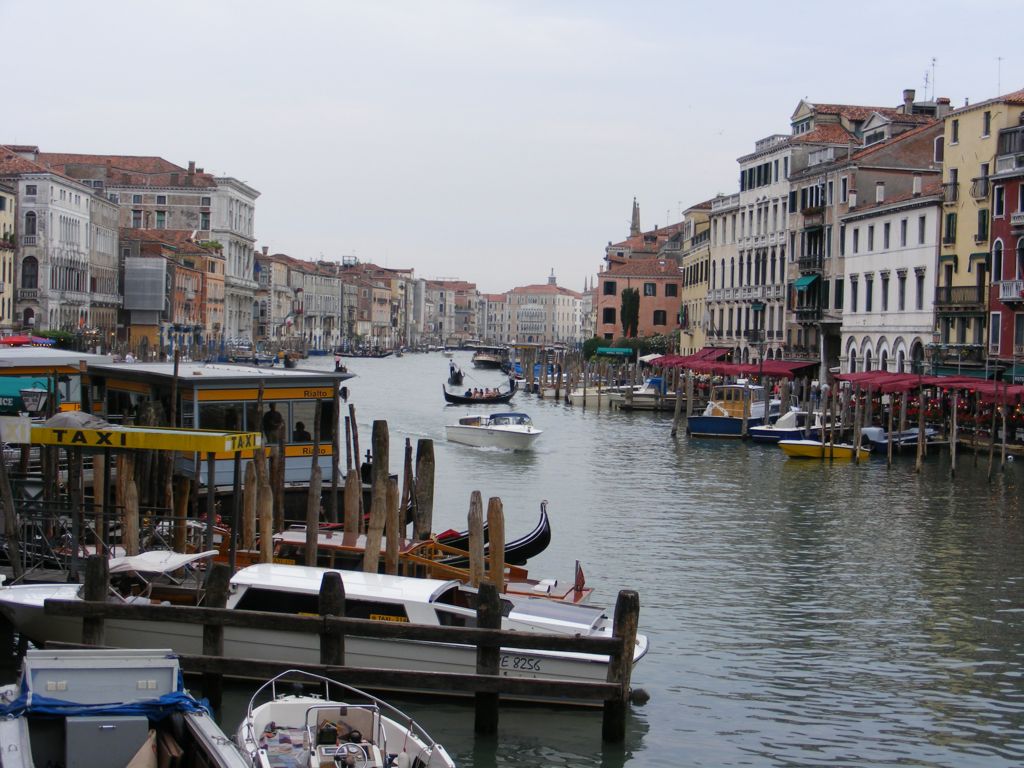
[{"x": 634, "y": 226}]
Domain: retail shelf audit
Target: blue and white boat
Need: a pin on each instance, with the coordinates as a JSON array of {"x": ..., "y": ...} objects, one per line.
[
  {"x": 723, "y": 416},
  {"x": 795, "y": 424}
]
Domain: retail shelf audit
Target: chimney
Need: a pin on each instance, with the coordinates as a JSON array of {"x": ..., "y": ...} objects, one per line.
[
  {"x": 942, "y": 106},
  {"x": 917, "y": 185},
  {"x": 908, "y": 100},
  {"x": 879, "y": 191},
  {"x": 853, "y": 198},
  {"x": 191, "y": 167},
  {"x": 266, "y": 249}
]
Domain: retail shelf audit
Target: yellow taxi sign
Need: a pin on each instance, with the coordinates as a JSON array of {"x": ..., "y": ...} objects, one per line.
[{"x": 147, "y": 438}]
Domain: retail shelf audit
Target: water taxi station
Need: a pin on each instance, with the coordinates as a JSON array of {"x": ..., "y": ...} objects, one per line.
[{"x": 112, "y": 460}]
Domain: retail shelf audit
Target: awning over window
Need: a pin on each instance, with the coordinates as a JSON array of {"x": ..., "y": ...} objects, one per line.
[{"x": 805, "y": 282}]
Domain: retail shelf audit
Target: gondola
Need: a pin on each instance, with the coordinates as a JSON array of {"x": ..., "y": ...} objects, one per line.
[
  {"x": 516, "y": 552},
  {"x": 501, "y": 397},
  {"x": 455, "y": 376}
]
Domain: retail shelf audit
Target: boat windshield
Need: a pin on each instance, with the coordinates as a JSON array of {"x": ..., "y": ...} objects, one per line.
[{"x": 507, "y": 419}]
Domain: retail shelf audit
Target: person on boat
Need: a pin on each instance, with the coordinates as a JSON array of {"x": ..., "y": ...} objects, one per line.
[
  {"x": 300, "y": 434},
  {"x": 469, "y": 393}
]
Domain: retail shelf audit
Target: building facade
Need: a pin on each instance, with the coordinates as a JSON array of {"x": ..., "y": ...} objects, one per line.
[{"x": 8, "y": 216}]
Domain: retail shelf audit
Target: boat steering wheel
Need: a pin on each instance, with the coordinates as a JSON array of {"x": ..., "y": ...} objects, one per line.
[{"x": 351, "y": 754}]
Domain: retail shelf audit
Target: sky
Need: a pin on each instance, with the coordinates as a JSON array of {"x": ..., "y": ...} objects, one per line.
[{"x": 489, "y": 141}]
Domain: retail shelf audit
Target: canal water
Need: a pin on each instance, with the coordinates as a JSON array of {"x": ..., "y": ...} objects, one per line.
[{"x": 799, "y": 614}]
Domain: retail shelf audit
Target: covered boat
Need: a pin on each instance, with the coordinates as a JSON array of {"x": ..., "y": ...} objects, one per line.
[{"x": 732, "y": 407}]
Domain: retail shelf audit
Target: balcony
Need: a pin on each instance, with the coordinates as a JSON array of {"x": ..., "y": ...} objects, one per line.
[
  {"x": 810, "y": 263},
  {"x": 1011, "y": 291},
  {"x": 950, "y": 192},
  {"x": 979, "y": 188},
  {"x": 28, "y": 294},
  {"x": 1017, "y": 222},
  {"x": 960, "y": 297},
  {"x": 28, "y": 239},
  {"x": 1018, "y": 350},
  {"x": 808, "y": 314}
]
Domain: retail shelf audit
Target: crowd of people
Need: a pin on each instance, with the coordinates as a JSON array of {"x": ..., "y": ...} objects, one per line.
[{"x": 481, "y": 393}]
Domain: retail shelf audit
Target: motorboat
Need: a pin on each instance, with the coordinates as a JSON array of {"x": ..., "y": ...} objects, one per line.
[
  {"x": 728, "y": 405},
  {"x": 489, "y": 358},
  {"x": 108, "y": 707},
  {"x": 877, "y": 438},
  {"x": 652, "y": 395},
  {"x": 276, "y": 588},
  {"x": 815, "y": 449},
  {"x": 511, "y": 431},
  {"x": 795, "y": 424},
  {"x": 338, "y": 726}
]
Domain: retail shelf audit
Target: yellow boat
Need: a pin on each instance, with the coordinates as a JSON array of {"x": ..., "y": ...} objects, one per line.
[{"x": 815, "y": 449}]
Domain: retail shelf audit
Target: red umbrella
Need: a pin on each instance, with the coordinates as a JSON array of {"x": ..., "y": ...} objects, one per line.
[{"x": 23, "y": 341}]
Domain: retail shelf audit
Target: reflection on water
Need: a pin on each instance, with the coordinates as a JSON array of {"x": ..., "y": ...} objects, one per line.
[{"x": 799, "y": 613}]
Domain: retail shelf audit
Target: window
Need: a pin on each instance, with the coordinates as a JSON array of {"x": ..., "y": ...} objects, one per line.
[
  {"x": 869, "y": 293},
  {"x": 30, "y": 223},
  {"x": 919, "y": 305},
  {"x": 204, "y": 220},
  {"x": 204, "y": 201},
  {"x": 161, "y": 219},
  {"x": 161, "y": 199},
  {"x": 994, "y": 327},
  {"x": 921, "y": 224},
  {"x": 671, "y": 289},
  {"x": 901, "y": 291},
  {"x": 608, "y": 316},
  {"x": 853, "y": 293},
  {"x": 986, "y": 123},
  {"x": 659, "y": 317},
  {"x": 136, "y": 219},
  {"x": 998, "y": 202},
  {"x": 609, "y": 288},
  {"x": 885, "y": 235},
  {"x": 114, "y": 197},
  {"x": 842, "y": 240},
  {"x": 650, "y": 289},
  {"x": 939, "y": 151},
  {"x": 844, "y": 189},
  {"x": 903, "y": 233},
  {"x": 30, "y": 189},
  {"x": 949, "y": 238},
  {"x": 856, "y": 239},
  {"x": 871, "y": 238},
  {"x": 1018, "y": 329},
  {"x": 997, "y": 260},
  {"x": 839, "y": 293},
  {"x": 29, "y": 272},
  {"x": 982, "y": 225},
  {"x": 885, "y": 293},
  {"x": 136, "y": 199},
  {"x": 954, "y": 131}
]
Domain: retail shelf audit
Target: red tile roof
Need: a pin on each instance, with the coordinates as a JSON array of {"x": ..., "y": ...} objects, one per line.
[
  {"x": 13, "y": 164},
  {"x": 640, "y": 242},
  {"x": 645, "y": 268},
  {"x": 929, "y": 187},
  {"x": 180, "y": 239},
  {"x": 129, "y": 170},
  {"x": 829, "y": 133},
  {"x": 546, "y": 288}
]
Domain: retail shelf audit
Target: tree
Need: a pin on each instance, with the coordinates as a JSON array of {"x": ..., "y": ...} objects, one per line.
[{"x": 630, "y": 312}]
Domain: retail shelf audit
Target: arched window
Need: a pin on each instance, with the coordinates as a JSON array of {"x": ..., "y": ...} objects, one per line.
[
  {"x": 853, "y": 361},
  {"x": 30, "y": 223},
  {"x": 867, "y": 360},
  {"x": 1020, "y": 259},
  {"x": 29, "y": 272},
  {"x": 997, "y": 260},
  {"x": 900, "y": 362},
  {"x": 883, "y": 362},
  {"x": 28, "y": 318}
]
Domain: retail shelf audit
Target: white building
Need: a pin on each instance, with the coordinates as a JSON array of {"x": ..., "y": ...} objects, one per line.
[
  {"x": 232, "y": 215},
  {"x": 891, "y": 250}
]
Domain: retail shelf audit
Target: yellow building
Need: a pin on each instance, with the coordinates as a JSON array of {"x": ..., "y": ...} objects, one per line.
[
  {"x": 695, "y": 264},
  {"x": 969, "y": 149},
  {"x": 7, "y": 199}
]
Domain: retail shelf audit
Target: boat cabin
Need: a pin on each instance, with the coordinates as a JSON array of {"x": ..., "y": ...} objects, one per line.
[
  {"x": 227, "y": 397},
  {"x": 45, "y": 368},
  {"x": 731, "y": 399}
]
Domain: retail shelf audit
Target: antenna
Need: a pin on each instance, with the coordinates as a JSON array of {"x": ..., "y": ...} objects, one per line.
[
  {"x": 934, "y": 59},
  {"x": 999, "y": 75}
]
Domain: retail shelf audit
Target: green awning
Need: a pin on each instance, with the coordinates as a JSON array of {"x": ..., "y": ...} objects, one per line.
[
  {"x": 973, "y": 373},
  {"x": 614, "y": 351},
  {"x": 1014, "y": 374},
  {"x": 805, "y": 282}
]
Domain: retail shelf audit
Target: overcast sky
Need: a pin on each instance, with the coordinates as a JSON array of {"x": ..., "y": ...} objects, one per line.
[{"x": 491, "y": 141}]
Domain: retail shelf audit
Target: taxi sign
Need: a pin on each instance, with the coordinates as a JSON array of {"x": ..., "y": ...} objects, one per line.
[{"x": 147, "y": 438}]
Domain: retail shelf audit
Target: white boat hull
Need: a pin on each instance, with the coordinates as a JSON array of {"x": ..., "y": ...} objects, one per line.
[
  {"x": 23, "y": 605},
  {"x": 490, "y": 437}
]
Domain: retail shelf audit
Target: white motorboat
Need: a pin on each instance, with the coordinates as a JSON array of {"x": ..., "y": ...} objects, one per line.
[
  {"x": 294, "y": 589},
  {"x": 511, "y": 431},
  {"x": 107, "y": 707},
  {"x": 794, "y": 424},
  {"x": 338, "y": 726}
]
